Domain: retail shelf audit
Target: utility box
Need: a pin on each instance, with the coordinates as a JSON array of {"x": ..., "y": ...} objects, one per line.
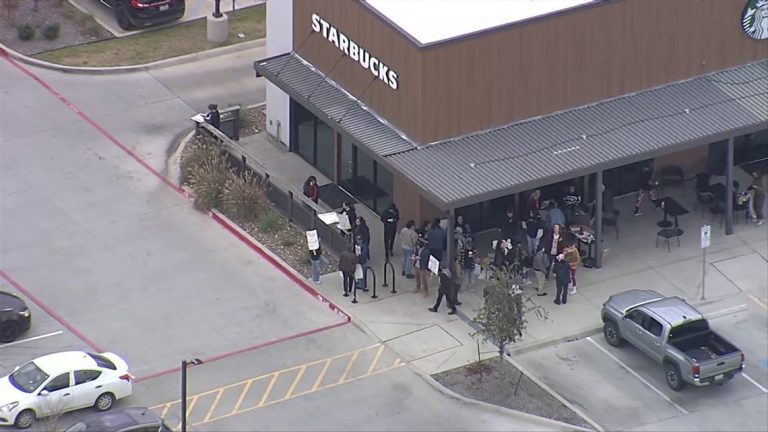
[{"x": 230, "y": 122}]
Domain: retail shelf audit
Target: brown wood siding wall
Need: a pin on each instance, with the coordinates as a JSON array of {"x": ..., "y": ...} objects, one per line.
[
  {"x": 401, "y": 107},
  {"x": 578, "y": 57}
]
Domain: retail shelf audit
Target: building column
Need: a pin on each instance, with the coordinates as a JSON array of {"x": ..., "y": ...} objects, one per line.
[
  {"x": 728, "y": 188},
  {"x": 585, "y": 188},
  {"x": 598, "y": 219},
  {"x": 449, "y": 249}
]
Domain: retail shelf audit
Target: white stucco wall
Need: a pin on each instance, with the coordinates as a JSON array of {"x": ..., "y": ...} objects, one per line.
[{"x": 279, "y": 41}]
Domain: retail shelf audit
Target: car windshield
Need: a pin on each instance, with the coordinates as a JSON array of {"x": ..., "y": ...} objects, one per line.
[{"x": 28, "y": 377}]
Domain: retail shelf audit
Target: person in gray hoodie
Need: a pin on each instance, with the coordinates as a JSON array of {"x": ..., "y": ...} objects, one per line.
[
  {"x": 436, "y": 237},
  {"x": 540, "y": 266}
]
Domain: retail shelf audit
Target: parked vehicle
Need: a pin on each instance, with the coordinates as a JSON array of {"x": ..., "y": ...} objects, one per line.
[
  {"x": 122, "y": 420},
  {"x": 142, "y": 13},
  {"x": 61, "y": 382},
  {"x": 674, "y": 334},
  {"x": 15, "y": 317}
]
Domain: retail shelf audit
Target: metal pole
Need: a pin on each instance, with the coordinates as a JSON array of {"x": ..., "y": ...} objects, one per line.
[
  {"x": 728, "y": 188},
  {"x": 183, "y": 396},
  {"x": 703, "y": 269},
  {"x": 450, "y": 238},
  {"x": 217, "y": 8},
  {"x": 598, "y": 219}
]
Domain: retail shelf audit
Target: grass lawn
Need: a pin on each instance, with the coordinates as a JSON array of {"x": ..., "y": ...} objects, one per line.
[{"x": 152, "y": 45}]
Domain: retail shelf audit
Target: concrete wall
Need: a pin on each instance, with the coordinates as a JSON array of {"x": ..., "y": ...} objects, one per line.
[{"x": 279, "y": 41}]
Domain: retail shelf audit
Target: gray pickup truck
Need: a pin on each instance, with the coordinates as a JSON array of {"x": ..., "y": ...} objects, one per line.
[{"x": 672, "y": 333}]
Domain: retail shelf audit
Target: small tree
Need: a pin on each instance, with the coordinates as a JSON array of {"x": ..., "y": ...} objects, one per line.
[{"x": 502, "y": 316}]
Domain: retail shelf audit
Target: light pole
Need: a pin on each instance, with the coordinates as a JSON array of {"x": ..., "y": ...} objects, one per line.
[
  {"x": 217, "y": 8},
  {"x": 184, "y": 364}
]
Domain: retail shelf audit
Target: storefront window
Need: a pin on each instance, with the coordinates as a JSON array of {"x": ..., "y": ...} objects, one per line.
[
  {"x": 305, "y": 133},
  {"x": 325, "y": 150},
  {"x": 363, "y": 177}
]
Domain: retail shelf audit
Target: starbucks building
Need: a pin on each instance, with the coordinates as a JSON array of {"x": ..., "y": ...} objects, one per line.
[{"x": 463, "y": 107}]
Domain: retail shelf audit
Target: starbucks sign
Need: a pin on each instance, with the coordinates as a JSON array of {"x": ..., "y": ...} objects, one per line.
[{"x": 754, "y": 19}]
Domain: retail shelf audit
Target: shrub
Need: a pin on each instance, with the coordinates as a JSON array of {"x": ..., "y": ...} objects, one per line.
[
  {"x": 26, "y": 32},
  {"x": 51, "y": 31},
  {"x": 196, "y": 153},
  {"x": 270, "y": 222},
  {"x": 208, "y": 180},
  {"x": 243, "y": 197}
]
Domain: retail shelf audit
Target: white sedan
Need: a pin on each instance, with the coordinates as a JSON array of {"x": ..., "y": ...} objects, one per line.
[{"x": 61, "y": 382}]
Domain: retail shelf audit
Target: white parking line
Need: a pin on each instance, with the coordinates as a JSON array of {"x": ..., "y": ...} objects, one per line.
[
  {"x": 757, "y": 384},
  {"x": 649, "y": 385},
  {"x": 31, "y": 339}
]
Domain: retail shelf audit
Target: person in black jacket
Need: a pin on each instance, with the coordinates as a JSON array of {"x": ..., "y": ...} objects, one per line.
[
  {"x": 445, "y": 289},
  {"x": 562, "y": 271},
  {"x": 390, "y": 218},
  {"x": 362, "y": 232},
  {"x": 508, "y": 228},
  {"x": 213, "y": 117}
]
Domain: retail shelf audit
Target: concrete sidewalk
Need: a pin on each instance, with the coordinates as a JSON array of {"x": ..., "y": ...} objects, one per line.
[{"x": 436, "y": 342}]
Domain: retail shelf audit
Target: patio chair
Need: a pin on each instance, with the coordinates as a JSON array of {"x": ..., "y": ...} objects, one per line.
[
  {"x": 667, "y": 234},
  {"x": 703, "y": 194}
]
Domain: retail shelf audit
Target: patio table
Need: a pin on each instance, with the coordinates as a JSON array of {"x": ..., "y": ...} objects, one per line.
[{"x": 671, "y": 208}]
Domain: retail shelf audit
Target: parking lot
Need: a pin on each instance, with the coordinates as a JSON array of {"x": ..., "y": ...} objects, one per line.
[{"x": 622, "y": 389}]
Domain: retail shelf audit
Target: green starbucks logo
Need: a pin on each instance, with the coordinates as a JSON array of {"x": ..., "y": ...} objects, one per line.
[{"x": 754, "y": 19}]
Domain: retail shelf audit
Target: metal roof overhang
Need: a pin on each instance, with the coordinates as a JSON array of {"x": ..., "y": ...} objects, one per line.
[{"x": 534, "y": 152}]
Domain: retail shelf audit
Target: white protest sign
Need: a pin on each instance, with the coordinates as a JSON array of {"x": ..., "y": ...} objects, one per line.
[
  {"x": 312, "y": 241},
  {"x": 329, "y": 218},
  {"x": 434, "y": 264},
  {"x": 344, "y": 222},
  {"x": 706, "y": 231},
  {"x": 358, "y": 250}
]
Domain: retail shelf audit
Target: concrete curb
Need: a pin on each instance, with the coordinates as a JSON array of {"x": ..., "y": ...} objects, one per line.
[
  {"x": 189, "y": 58},
  {"x": 558, "y": 425}
]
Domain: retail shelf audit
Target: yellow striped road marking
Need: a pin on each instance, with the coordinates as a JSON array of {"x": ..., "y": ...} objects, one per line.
[
  {"x": 242, "y": 396},
  {"x": 213, "y": 405},
  {"x": 349, "y": 366},
  {"x": 380, "y": 371},
  {"x": 268, "y": 390},
  {"x": 273, "y": 376},
  {"x": 322, "y": 375},
  {"x": 759, "y": 301},
  {"x": 296, "y": 380},
  {"x": 375, "y": 359}
]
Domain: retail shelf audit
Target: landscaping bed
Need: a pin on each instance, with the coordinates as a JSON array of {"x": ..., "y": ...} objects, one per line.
[
  {"x": 253, "y": 120},
  {"x": 241, "y": 196},
  {"x": 495, "y": 382},
  {"x": 75, "y": 27}
]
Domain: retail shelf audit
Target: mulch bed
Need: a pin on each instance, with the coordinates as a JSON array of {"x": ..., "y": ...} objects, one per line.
[
  {"x": 489, "y": 382},
  {"x": 254, "y": 120},
  {"x": 290, "y": 244},
  {"x": 75, "y": 27}
]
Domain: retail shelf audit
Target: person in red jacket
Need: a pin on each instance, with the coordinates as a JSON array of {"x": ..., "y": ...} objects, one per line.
[
  {"x": 310, "y": 189},
  {"x": 553, "y": 245}
]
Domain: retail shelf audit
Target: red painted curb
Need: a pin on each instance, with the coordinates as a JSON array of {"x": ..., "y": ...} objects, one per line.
[
  {"x": 178, "y": 189},
  {"x": 50, "y": 311},
  {"x": 243, "y": 350}
]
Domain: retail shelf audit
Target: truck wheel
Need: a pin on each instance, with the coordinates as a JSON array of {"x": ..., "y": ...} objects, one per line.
[
  {"x": 674, "y": 381},
  {"x": 611, "y": 333}
]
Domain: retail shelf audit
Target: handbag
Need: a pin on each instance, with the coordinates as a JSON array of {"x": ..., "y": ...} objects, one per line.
[{"x": 358, "y": 272}]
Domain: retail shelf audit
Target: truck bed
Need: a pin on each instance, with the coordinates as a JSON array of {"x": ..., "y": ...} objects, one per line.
[{"x": 714, "y": 355}]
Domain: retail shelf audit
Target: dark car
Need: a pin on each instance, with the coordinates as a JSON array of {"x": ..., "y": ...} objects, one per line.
[
  {"x": 142, "y": 13},
  {"x": 15, "y": 317},
  {"x": 122, "y": 420}
]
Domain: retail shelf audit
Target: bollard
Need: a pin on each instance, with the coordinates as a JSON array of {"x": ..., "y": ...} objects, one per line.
[
  {"x": 373, "y": 295},
  {"x": 389, "y": 265}
]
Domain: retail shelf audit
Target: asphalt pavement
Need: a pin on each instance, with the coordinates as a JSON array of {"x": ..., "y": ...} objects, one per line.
[
  {"x": 622, "y": 389},
  {"x": 113, "y": 258}
]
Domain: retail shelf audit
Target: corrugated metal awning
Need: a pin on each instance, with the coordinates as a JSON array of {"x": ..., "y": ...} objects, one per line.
[{"x": 559, "y": 146}]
